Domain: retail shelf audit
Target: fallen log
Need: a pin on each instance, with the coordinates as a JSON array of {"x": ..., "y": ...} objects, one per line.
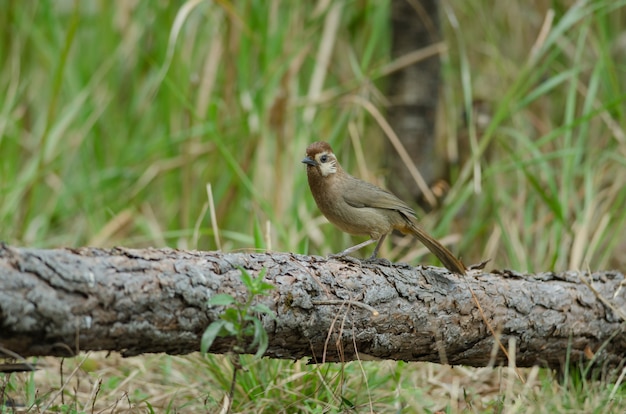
[{"x": 62, "y": 301}]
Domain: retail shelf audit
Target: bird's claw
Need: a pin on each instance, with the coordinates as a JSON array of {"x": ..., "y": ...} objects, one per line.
[
  {"x": 378, "y": 261},
  {"x": 345, "y": 258}
]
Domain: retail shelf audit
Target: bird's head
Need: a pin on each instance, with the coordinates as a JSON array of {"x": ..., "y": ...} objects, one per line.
[{"x": 321, "y": 159}]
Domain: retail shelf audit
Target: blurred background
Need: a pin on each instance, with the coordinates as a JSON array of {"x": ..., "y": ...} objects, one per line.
[
  {"x": 131, "y": 123},
  {"x": 117, "y": 115}
]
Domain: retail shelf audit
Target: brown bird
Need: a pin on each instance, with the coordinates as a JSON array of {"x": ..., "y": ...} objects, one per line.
[{"x": 361, "y": 208}]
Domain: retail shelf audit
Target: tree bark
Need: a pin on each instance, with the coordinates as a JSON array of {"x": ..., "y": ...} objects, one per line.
[{"x": 57, "y": 302}]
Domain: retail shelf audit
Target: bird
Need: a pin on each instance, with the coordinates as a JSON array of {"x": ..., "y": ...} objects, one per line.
[{"x": 361, "y": 208}]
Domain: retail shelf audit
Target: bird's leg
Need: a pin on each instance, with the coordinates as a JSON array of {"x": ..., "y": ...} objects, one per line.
[
  {"x": 380, "y": 241},
  {"x": 353, "y": 248},
  {"x": 373, "y": 259}
]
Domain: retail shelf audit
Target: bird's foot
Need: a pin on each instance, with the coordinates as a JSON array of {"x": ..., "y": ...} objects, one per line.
[
  {"x": 345, "y": 258},
  {"x": 378, "y": 261}
]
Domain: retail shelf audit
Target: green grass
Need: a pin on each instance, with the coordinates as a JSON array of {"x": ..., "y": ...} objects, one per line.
[{"x": 114, "y": 117}]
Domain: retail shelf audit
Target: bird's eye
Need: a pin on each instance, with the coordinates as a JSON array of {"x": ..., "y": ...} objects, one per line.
[{"x": 324, "y": 158}]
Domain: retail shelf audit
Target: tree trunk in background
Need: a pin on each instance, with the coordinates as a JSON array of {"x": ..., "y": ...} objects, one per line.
[
  {"x": 57, "y": 302},
  {"x": 413, "y": 93}
]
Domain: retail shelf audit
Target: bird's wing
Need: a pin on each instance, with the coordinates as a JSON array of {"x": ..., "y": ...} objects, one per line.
[{"x": 363, "y": 194}]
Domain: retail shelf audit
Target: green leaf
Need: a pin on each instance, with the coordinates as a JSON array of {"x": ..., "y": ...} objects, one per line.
[
  {"x": 260, "y": 338},
  {"x": 264, "y": 288},
  {"x": 221, "y": 299},
  {"x": 262, "y": 309},
  {"x": 259, "y": 286},
  {"x": 231, "y": 316},
  {"x": 246, "y": 278},
  {"x": 249, "y": 330},
  {"x": 230, "y": 328},
  {"x": 209, "y": 335},
  {"x": 150, "y": 408},
  {"x": 347, "y": 402}
]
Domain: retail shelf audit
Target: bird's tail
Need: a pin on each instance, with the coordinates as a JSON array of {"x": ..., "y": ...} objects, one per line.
[{"x": 447, "y": 258}]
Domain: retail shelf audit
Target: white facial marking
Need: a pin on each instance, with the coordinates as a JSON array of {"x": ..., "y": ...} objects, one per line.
[{"x": 327, "y": 163}]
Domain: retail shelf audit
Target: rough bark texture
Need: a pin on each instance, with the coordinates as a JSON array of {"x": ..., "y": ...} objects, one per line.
[
  {"x": 55, "y": 302},
  {"x": 413, "y": 93}
]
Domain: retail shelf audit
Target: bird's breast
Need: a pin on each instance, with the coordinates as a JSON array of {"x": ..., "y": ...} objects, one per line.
[{"x": 329, "y": 194}]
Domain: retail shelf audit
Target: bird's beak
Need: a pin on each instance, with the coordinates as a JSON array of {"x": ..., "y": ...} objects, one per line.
[{"x": 309, "y": 161}]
